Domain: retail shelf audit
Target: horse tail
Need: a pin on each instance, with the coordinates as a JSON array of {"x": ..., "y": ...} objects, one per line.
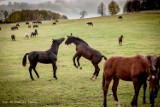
[
  {"x": 105, "y": 58},
  {"x": 24, "y": 61}
]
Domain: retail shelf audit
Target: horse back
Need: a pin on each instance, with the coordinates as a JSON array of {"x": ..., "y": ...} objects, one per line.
[{"x": 125, "y": 68}]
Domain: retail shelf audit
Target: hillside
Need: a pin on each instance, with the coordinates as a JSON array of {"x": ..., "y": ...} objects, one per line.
[{"x": 74, "y": 88}]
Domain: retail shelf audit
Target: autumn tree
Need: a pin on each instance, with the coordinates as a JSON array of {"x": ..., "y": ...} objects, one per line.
[
  {"x": 113, "y": 8},
  {"x": 101, "y": 9}
]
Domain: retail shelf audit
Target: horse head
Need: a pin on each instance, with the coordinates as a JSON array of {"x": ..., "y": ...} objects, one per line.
[
  {"x": 69, "y": 40},
  {"x": 153, "y": 77},
  {"x": 58, "y": 41}
]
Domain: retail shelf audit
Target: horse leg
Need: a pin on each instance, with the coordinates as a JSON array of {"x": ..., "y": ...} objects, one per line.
[
  {"x": 36, "y": 72},
  {"x": 137, "y": 85},
  {"x": 78, "y": 58},
  {"x": 105, "y": 86},
  {"x": 144, "y": 92},
  {"x": 54, "y": 69},
  {"x": 30, "y": 72},
  {"x": 114, "y": 90},
  {"x": 74, "y": 57},
  {"x": 97, "y": 69}
]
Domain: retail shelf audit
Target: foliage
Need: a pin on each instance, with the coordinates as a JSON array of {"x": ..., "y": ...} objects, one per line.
[
  {"x": 141, "y": 5},
  {"x": 32, "y": 15},
  {"x": 83, "y": 13},
  {"x": 113, "y": 8},
  {"x": 5, "y": 14},
  {"x": 101, "y": 9}
]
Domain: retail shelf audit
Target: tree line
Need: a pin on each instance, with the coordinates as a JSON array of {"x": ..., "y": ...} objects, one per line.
[
  {"x": 130, "y": 6},
  {"x": 33, "y": 15},
  {"x": 141, "y": 5}
]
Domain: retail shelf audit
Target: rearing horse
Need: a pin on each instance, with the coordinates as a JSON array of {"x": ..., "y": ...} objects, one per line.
[
  {"x": 83, "y": 49},
  {"x": 46, "y": 57}
]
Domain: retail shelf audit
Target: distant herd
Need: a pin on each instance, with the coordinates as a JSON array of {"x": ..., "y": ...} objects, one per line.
[{"x": 137, "y": 69}]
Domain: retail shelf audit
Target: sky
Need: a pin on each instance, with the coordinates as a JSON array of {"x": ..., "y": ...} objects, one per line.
[{"x": 70, "y": 8}]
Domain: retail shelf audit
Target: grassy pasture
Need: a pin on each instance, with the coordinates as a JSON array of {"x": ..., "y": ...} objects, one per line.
[{"x": 74, "y": 87}]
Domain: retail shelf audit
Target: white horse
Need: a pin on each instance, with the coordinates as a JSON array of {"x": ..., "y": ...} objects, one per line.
[{"x": 27, "y": 35}]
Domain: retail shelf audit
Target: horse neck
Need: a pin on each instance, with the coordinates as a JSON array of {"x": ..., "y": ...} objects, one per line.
[
  {"x": 77, "y": 42},
  {"x": 54, "y": 49}
]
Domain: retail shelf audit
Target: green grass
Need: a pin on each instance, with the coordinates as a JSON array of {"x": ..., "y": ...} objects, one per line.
[{"x": 74, "y": 87}]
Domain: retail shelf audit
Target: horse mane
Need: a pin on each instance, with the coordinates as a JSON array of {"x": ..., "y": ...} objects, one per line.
[{"x": 77, "y": 38}]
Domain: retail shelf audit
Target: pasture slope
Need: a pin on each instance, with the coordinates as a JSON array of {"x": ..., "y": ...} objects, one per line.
[{"x": 74, "y": 88}]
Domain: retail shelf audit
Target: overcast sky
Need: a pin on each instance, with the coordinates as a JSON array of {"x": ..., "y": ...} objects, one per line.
[{"x": 70, "y": 8}]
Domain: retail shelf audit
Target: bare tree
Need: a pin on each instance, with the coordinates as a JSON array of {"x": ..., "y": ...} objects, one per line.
[
  {"x": 5, "y": 14},
  {"x": 83, "y": 13},
  {"x": 101, "y": 9}
]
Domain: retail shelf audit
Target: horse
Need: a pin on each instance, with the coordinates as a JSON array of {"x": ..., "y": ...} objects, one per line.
[
  {"x": 14, "y": 28},
  {"x": 27, "y": 36},
  {"x": 27, "y": 23},
  {"x": 13, "y": 37},
  {"x": 83, "y": 49},
  {"x": 17, "y": 25},
  {"x": 120, "y": 39},
  {"x": 136, "y": 69},
  {"x": 35, "y": 26},
  {"x": 120, "y": 17},
  {"x": 34, "y": 33},
  {"x": 29, "y": 26},
  {"x": 45, "y": 57},
  {"x": 54, "y": 23},
  {"x": 154, "y": 62},
  {"x": 90, "y": 24}
]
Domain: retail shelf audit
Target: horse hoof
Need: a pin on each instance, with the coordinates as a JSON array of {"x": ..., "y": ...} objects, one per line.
[{"x": 80, "y": 68}]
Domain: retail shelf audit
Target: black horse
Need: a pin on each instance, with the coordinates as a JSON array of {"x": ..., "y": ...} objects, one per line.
[
  {"x": 83, "y": 49},
  {"x": 13, "y": 37},
  {"x": 46, "y": 57},
  {"x": 90, "y": 24},
  {"x": 34, "y": 33}
]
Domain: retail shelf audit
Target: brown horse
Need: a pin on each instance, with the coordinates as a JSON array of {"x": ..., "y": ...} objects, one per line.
[
  {"x": 136, "y": 69},
  {"x": 154, "y": 62},
  {"x": 83, "y": 49},
  {"x": 120, "y": 39},
  {"x": 46, "y": 57}
]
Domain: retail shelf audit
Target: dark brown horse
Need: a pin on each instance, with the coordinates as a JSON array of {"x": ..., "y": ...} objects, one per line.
[
  {"x": 83, "y": 49},
  {"x": 154, "y": 62},
  {"x": 46, "y": 57},
  {"x": 120, "y": 39},
  {"x": 90, "y": 24},
  {"x": 13, "y": 37},
  {"x": 136, "y": 69},
  {"x": 33, "y": 34}
]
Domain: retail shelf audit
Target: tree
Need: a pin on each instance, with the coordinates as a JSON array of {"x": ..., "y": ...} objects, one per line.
[
  {"x": 113, "y": 8},
  {"x": 101, "y": 9},
  {"x": 5, "y": 14},
  {"x": 83, "y": 13}
]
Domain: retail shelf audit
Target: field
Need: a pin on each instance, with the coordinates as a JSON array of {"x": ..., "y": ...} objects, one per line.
[{"x": 74, "y": 88}]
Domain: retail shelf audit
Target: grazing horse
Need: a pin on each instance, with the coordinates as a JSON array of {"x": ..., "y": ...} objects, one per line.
[
  {"x": 13, "y": 37},
  {"x": 54, "y": 23},
  {"x": 14, "y": 28},
  {"x": 154, "y": 62},
  {"x": 35, "y": 26},
  {"x": 120, "y": 39},
  {"x": 34, "y": 33},
  {"x": 90, "y": 24},
  {"x": 46, "y": 57},
  {"x": 17, "y": 25},
  {"x": 136, "y": 69},
  {"x": 120, "y": 17},
  {"x": 27, "y": 36},
  {"x": 83, "y": 49}
]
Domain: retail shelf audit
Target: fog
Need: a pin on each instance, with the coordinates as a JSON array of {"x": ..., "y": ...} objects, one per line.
[{"x": 70, "y": 8}]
